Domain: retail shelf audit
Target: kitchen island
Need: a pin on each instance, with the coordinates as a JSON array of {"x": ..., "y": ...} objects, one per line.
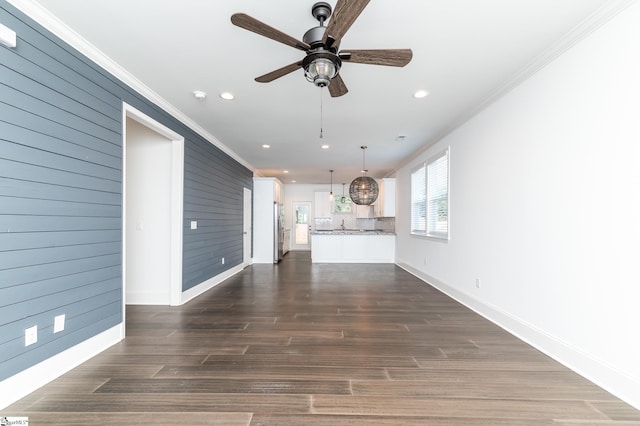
[{"x": 353, "y": 246}]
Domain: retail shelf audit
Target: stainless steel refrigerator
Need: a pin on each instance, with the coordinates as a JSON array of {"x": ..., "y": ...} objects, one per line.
[{"x": 278, "y": 228}]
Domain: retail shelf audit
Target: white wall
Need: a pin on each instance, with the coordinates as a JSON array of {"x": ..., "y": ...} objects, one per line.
[
  {"x": 301, "y": 192},
  {"x": 148, "y": 216},
  {"x": 545, "y": 210}
]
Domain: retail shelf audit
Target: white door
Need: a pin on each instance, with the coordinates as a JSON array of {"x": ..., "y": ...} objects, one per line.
[
  {"x": 300, "y": 240},
  {"x": 246, "y": 228}
]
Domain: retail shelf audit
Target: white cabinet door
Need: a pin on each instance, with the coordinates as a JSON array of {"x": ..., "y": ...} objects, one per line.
[
  {"x": 363, "y": 212},
  {"x": 386, "y": 203}
]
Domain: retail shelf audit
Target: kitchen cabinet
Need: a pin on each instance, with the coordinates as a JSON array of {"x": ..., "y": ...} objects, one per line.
[
  {"x": 364, "y": 212},
  {"x": 353, "y": 248},
  {"x": 322, "y": 205},
  {"x": 385, "y": 205}
]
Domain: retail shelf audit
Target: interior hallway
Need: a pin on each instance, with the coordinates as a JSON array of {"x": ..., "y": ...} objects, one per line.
[{"x": 322, "y": 344}]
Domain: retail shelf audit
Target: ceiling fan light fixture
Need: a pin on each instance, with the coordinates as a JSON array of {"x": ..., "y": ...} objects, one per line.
[{"x": 321, "y": 67}]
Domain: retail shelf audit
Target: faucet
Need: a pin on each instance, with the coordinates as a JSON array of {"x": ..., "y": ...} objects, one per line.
[{"x": 342, "y": 225}]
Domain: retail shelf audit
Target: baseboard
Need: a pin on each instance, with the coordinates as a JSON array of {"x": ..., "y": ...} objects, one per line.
[
  {"x": 22, "y": 384},
  {"x": 607, "y": 377},
  {"x": 149, "y": 298},
  {"x": 196, "y": 291}
]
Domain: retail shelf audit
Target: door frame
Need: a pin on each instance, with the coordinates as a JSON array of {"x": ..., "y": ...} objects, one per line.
[
  {"x": 295, "y": 246},
  {"x": 177, "y": 197},
  {"x": 247, "y": 216}
]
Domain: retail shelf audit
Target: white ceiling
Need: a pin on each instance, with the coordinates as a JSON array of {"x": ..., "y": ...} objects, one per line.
[{"x": 465, "y": 53}]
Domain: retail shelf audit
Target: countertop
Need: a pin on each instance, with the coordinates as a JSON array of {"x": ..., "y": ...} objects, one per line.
[{"x": 351, "y": 232}]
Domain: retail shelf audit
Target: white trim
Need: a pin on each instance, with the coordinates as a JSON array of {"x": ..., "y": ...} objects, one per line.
[
  {"x": 196, "y": 291},
  {"x": 43, "y": 17},
  {"x": 22, "y": 384},
  {"x": 614, "y": 381},
  {"x": 177, "y": 197}
]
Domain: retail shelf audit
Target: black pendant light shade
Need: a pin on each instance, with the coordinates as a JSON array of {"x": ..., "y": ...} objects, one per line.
[{"x": 363, "y": 190}]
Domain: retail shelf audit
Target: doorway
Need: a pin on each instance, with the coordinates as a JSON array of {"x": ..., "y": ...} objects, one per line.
[
  {"x": 153, "y": 170},
  {"x": 301, "y": 225},
  {"x": 246, "y": 228}
]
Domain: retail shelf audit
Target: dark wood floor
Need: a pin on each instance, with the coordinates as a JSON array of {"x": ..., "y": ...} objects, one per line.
[{"x": 303, "y": 344}]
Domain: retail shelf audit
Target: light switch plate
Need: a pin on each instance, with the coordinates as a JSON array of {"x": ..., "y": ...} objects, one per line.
[{"x": 194, "y": 224}]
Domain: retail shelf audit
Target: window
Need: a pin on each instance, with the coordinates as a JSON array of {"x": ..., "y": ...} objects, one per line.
[
  {"x": 430, "y": 197},
  {"x": 418, "y": 201}
]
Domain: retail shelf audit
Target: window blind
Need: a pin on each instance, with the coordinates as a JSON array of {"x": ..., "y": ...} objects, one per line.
[
  {"x": 418, "y": 201},
  {"x": 437, "y": 188}
]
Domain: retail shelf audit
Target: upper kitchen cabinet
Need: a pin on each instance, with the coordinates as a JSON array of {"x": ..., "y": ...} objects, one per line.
[
  {"x": 322, "y": 205},
  {"x": 364, "y": 212},
  {"x": 277, "y": 192},
  {"x": 385, "y": 205}
]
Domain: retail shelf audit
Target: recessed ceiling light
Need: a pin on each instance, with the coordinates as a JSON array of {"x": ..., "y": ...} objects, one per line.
[
  {"x": 265, "y": 146},
  {"x": 325, "y": 147},
  {"x": 199, "y": 95},
  {"x": 285, "y": 171},
  {"x": 227, "y": 96},
  {"x": 420, "y": 94},
  {"x": 293, "y": 181}
]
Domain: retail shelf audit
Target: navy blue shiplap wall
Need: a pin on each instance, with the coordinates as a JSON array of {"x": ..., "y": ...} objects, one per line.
[{"x": 61, "y": 196}]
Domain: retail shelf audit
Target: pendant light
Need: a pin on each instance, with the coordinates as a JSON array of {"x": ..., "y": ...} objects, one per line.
[
  {"x": 343, "y": 199},
  {"x": 331, "y": 190},
  {"x": 363, "y": 190}
]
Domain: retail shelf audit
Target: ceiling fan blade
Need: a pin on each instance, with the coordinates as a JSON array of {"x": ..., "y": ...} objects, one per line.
[
  {"x": 344, "y": 15},
  {"x": 245, "y": 21},
  {"x": 337, "y": 87},
  {"x": 389, "y": 57},
  {"x": 279, "y": 72}
]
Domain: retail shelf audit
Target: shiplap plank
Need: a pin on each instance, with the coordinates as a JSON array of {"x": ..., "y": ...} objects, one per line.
[
  {"x": 37, "y": 173},
  {"x": 20, "y": 188},
  {"x": 32, "y": 240},
  {"x": 34, "y": 206},
  {"x": 18, "y": 276},
  {"x": 24, "y": 258},
  {"x": 37, "y": 126},
  {"x": 45, "y": 142},
  {"x": 45, "y": 287},
  {"x": 17, "y": 223},
  {"x": 20, "y": 100},
  {"x": 59, "y": 93},
  {"x": 101, "y": 292}
]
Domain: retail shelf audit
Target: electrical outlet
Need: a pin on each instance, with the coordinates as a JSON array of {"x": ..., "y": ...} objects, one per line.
[
  {"x": 58, "y": 323},
  {"x": 477, "y": 282},
  {"x": 194, "y": 224},
  {"x": 223, "y": 260},
  {"x": 31, "y": 335}
]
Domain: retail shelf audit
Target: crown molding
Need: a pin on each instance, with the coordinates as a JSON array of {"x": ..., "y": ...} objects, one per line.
[
  {"x": 53, "y": 24},
  {"x": 590, "y": 24}
]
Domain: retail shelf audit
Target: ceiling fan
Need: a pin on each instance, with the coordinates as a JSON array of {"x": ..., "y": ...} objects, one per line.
[{"x": 321, "y": 44}]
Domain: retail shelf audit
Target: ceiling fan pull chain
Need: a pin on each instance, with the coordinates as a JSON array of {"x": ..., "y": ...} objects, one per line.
[{"x": 321, "y": 91}]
